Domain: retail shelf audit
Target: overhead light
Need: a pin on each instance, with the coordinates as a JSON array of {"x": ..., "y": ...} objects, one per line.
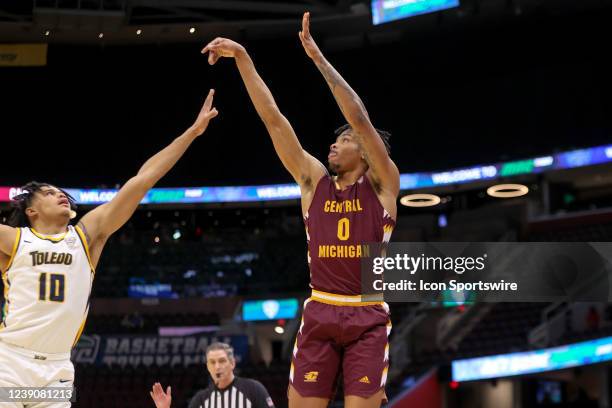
[
  {"x": 138, "y": 32},
  {"x": 507, "y": 190},
  {"x": 192, "y": 30},
  {"x": 101, "y": 35},
  {"x": 279, "y": 330},
  {"x": 420, "y": 200},
  {"x": 47, "y": 33}
]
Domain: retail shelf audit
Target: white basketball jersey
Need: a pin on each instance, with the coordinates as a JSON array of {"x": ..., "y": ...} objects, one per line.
[{"x": 47, "y": 286}]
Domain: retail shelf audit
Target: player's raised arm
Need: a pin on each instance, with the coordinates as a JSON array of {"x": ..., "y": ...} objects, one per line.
[
  {"x": 101, "y": 222},
  {"x": 305, "y": 169},
  {"x": 383, "y": 170},
  {"x": 7, "y": 240}
]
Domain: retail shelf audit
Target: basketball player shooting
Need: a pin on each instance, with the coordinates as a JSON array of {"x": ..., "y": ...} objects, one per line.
[
  {"x": 48, "y": 267},
  {"x": 340, "y": 331}
]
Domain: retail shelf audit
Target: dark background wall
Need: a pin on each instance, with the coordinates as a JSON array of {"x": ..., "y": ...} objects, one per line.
[{"x": 458, "y": 96}]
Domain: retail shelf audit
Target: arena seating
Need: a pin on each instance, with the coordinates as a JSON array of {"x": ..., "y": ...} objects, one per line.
[
  {"x": 269, "y": 256},
  {"x": 145, "y": 324}
]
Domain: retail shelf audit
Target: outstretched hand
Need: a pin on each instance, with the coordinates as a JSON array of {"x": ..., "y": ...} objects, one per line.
[
  {"x": 309, "y": 44},
  {"x": 221, "y": 47},
  {"x": 162, "y": 399},
  {"x": 206, "y": 114}
]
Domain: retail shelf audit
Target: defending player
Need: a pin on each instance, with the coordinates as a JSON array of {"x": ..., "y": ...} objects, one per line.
[{"x": 48, "y": 268}]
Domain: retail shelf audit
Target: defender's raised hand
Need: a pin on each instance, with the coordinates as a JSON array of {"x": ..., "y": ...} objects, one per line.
[
  {"x": 222, "y": 47},
  {"x": 106, "y": 219},
  {"x": 309, "y": 44},
  {"x": 206, "y": 114}
]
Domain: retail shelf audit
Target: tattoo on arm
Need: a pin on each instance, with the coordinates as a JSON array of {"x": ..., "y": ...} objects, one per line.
[
  {"x": 347, "y": 99},
  {"x": 343, "y": 93},
  {"x": 334, "y": 79}
]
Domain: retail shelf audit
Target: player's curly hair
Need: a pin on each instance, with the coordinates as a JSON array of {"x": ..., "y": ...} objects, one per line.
[
  {"x": 22, "y": 201},
  {"x": 384, "y": 135}
]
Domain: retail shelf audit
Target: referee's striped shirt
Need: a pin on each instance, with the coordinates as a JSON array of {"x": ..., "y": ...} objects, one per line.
[{"x": 241, "y": 393}]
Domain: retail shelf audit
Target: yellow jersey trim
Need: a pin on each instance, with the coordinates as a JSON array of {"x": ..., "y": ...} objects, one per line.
[
  {"x": 86, "y": 246},
  {"x": 337, "y": 297},
  {"x": 78, "y": 336},
  {"x": 49, "y": 238},
  {"x": 344, "y": 300}
]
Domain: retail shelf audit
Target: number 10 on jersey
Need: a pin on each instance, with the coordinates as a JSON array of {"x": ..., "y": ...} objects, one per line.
[{"x": 56, "y": 285}]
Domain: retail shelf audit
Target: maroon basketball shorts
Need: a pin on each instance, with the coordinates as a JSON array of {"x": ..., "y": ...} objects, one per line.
[{"x": 341, "y": 333}]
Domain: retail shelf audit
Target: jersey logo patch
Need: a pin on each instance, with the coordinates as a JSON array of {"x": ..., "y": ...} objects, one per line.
[
  {"x": 365, "y": 380},
  {"x": 71, "y": 241},
  {"x": 311, "y": 376}
]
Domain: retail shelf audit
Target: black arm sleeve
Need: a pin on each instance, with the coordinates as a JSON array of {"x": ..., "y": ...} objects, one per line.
[
  {"x": 260, "y": 396},
  {"x": 198, "y": 400}
]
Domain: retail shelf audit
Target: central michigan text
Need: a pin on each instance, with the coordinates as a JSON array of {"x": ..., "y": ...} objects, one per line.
[
  {"x": 345, "y": 206},
  {"x": 344, "y": 251}
]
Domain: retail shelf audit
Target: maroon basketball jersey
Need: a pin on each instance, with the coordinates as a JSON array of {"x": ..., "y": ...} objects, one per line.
[{"x": 338, "y": 225}]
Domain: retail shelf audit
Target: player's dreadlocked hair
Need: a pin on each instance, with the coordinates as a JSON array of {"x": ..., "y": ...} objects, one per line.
[
  {"x": 384, "y": 135},
  {"x": 21, "y": 202}
]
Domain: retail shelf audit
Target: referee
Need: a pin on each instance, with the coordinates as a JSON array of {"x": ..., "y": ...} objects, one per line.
[{"x": 228, "y": 391}]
